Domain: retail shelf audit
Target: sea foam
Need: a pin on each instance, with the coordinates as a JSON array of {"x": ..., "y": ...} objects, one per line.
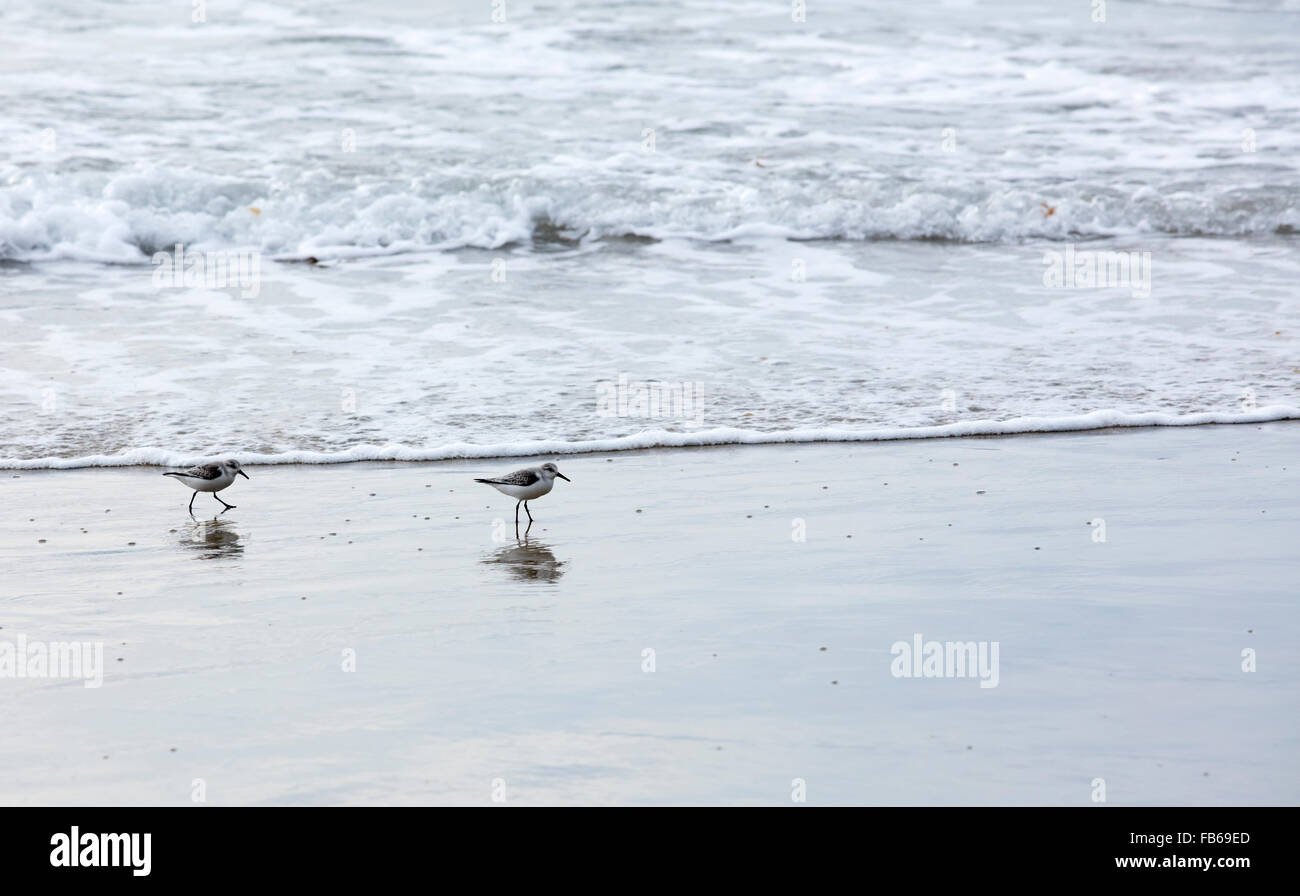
[{"x": 1107, "y": 419}]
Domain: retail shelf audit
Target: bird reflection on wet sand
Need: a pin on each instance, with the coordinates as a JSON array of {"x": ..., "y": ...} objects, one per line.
[
  {"x": 212, "y": 539},
  {"x": 528, "y": 561}
]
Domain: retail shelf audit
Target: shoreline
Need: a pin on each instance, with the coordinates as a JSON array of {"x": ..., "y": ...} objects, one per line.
[{"x": 1096, "y": 421}]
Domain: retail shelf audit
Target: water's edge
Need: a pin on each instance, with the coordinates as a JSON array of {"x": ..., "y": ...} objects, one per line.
[{"x": 1105, "y": 419}]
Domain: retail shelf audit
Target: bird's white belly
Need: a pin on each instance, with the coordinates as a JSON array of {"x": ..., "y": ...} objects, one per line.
[
  {"x": 206, "y": 485},
  {"x": 526, "y": 492}
]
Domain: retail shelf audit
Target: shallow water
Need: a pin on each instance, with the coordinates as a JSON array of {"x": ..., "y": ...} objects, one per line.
[
  {"x": 425, "y": 356},
  {"x": 520, "y": 222}
]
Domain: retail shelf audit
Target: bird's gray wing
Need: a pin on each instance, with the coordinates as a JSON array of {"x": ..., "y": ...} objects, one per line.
[
  {"x": 204, "y": 471},
  {"x": 518, "y": 477}
]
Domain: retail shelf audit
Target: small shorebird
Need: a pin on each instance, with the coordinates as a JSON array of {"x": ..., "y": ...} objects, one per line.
[
  {"x": 210, "y": 478},
  {"x": 526, "y": 485}
]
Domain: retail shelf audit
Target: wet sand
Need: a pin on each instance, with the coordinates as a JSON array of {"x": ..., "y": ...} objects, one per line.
[{"x": 486, "y": 666}]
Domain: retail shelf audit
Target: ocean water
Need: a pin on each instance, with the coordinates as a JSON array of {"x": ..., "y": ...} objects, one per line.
[{"x": 638, "y": 223}]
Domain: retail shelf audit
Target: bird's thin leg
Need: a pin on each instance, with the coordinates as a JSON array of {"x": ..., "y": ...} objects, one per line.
[
  {"x": 517, "y": 514},
  {"x": 530, "y": 516},
  {"x": 223, "y": 503},
  {"x": 192, "y": 497}
]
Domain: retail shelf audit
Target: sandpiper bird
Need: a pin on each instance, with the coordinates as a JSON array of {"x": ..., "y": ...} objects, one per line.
[
  {"x": 210, "y": 478},
  {"x": 526, "y": 485}
]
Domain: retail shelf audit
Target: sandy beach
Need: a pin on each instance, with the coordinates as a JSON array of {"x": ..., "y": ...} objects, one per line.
[{"x": 688, "y": 626}]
